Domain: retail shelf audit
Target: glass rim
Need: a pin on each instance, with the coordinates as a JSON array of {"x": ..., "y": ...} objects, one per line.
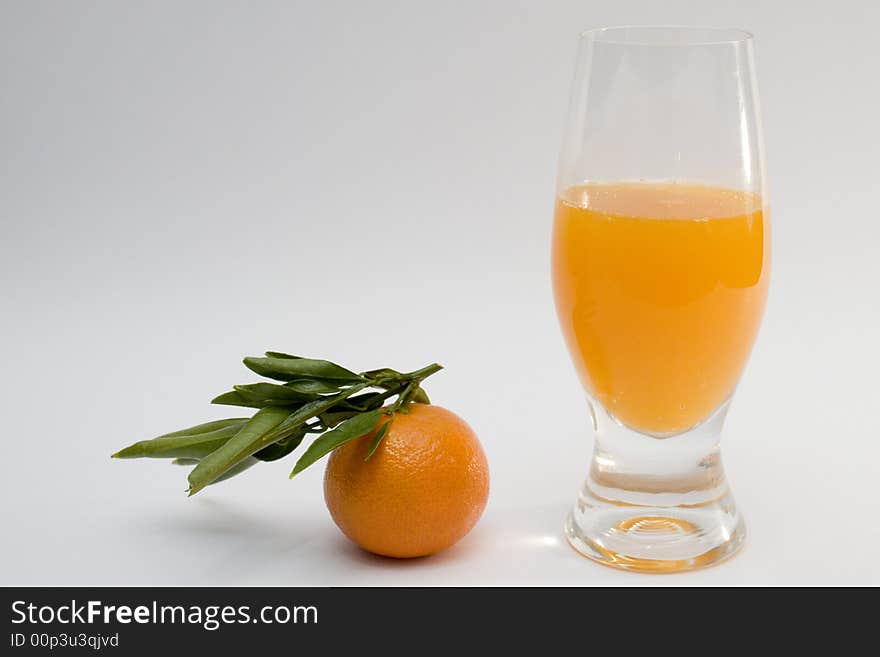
[{"x": 667, "y": 35}]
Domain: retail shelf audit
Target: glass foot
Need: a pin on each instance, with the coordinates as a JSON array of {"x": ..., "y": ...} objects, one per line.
[
  {"x": 656, "y": 504},
  {"x": 655, "y": 539}
]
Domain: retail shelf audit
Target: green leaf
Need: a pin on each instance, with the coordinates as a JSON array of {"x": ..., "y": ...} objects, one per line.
[
  {"x": 272, "y": 392},
  {"x": 314, "y": 386},
  {"x": 238, "y": 469},
  {"x": 237, "y": 398},
  {"x": 354, "y": 427},
  {"x": 186, "y": 446},
  {"x": 238, "y": 448},
  {"x": 283, "y": 447},
  {"x": 280, "y": 354},
  {"x": 205, "y": 428},
  {"x": 290, "y": 369},
  {"x": 380, "y": 434}
]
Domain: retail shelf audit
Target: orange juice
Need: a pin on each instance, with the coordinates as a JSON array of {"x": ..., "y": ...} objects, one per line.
[{"x": 660, "y": 289}]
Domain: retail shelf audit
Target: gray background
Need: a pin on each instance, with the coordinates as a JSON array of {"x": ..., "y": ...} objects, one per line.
[{"x": 184, "y": 183}]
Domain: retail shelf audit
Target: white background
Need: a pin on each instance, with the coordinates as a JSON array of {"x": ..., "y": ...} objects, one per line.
[{"x": 184, "y": 183}]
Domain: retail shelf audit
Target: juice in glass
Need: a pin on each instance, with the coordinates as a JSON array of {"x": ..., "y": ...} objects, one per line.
[{"x": 660, "y": 289}]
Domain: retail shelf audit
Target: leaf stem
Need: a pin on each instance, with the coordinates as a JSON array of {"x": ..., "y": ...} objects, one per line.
[{"x": 405, "y": 397}]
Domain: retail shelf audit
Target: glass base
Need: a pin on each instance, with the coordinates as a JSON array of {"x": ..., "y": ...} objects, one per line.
[{"x": 657, "y": 505}]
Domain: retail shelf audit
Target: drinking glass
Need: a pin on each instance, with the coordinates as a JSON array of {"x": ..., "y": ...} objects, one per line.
[{"x": 660, "y": 273}]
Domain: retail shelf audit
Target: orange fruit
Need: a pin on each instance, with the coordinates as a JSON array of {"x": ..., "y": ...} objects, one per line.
[{"x": 423, "y": 489}]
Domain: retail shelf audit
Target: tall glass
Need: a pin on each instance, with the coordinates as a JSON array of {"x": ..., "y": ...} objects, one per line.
[{"x": 660, "y": 272}]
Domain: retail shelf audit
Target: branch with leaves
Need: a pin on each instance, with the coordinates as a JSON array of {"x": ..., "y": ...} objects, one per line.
[{"x": 314, "y": 397}]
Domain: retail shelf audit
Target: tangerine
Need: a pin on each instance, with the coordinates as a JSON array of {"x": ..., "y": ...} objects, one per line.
[{"x": 422, "y": 490}]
